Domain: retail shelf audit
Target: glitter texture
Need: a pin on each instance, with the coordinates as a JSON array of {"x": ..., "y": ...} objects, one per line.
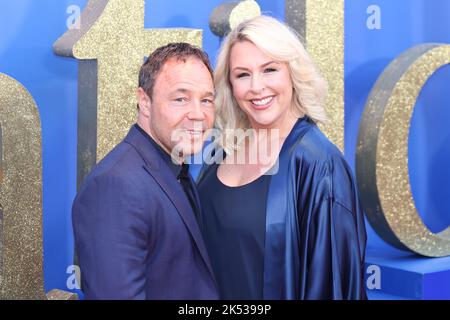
[
  {"x": 112, "y": 33},
  {"x": 382, "y": 152},
  {"x": 243, "y": 11},
  {"x": 228, "y": 15},
  {"x": 61, "y": 295},
  {"x": 321, "y": 24},
  {"x": 21, "y": 275}
]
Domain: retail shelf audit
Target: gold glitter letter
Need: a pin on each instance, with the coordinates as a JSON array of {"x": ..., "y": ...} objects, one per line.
[
  {"x": 321, "y": 24},
  {"x": 21, "y": 271},
  {"x": 382, "y": 152},
  {"x": 229, "y": 14},
  {"x": 110, "y": 47}
]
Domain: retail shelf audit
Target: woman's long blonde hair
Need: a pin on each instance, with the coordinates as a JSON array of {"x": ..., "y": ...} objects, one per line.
[{"x": 282, "y": 44}]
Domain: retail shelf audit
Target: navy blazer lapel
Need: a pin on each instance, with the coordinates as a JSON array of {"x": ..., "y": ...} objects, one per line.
[{"x": 156, "y": 167}]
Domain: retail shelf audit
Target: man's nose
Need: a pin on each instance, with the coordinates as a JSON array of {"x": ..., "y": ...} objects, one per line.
[{"x": 196, "y": 112}]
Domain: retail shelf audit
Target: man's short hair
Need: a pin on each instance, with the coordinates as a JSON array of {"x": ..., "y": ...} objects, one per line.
[{"x": 153, "y": 65}]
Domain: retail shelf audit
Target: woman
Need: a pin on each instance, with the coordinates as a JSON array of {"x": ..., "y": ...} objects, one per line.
[{"x": 287, "y": 225}]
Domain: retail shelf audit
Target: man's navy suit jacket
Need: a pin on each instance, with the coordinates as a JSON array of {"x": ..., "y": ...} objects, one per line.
[{"x": 135, "y": 231}]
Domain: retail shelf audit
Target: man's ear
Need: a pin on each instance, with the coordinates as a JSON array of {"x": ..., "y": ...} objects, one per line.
[{"x": 144, "y": 102}]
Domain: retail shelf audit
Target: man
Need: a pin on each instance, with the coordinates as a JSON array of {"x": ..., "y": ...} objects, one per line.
[{"x": 134, "y": 217}]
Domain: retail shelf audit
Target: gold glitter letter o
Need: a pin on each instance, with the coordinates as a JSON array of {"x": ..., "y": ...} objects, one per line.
[{"x": 382, "y": 152}]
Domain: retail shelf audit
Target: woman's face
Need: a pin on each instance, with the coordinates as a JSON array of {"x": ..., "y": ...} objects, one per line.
[{"x": 261, "y": 86}]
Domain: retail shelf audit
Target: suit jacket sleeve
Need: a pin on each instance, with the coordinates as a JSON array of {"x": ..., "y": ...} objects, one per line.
[{"x": 111, "y": 235}]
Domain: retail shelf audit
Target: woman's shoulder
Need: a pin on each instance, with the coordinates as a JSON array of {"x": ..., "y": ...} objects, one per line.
[
  {"x": 314, "y": 146},
  {"x": 315, "y": 155}
]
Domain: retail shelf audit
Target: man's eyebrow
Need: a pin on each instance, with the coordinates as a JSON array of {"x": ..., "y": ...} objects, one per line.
[
  {"x": 182, "y": 90},
  {"x": 185, "y": 91}
]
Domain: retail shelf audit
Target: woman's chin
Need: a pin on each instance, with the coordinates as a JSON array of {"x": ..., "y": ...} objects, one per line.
[{"x": 263, "y": 122}]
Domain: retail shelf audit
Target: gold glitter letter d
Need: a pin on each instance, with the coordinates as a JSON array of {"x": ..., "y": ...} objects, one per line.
[{"x": 382, "y": 152}]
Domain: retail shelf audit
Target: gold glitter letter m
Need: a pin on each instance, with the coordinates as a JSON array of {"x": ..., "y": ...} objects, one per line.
[{"x": 110, "y": 47}]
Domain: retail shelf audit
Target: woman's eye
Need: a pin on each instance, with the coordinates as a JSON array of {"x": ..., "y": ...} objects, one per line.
[
  {"x": 268, "y": 70},
  {"x": 207, "y": 101},
  {"x": 241, "y": 75}
]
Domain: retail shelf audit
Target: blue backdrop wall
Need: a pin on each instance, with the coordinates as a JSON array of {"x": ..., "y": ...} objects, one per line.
[{"x": 28, "y": 29}]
